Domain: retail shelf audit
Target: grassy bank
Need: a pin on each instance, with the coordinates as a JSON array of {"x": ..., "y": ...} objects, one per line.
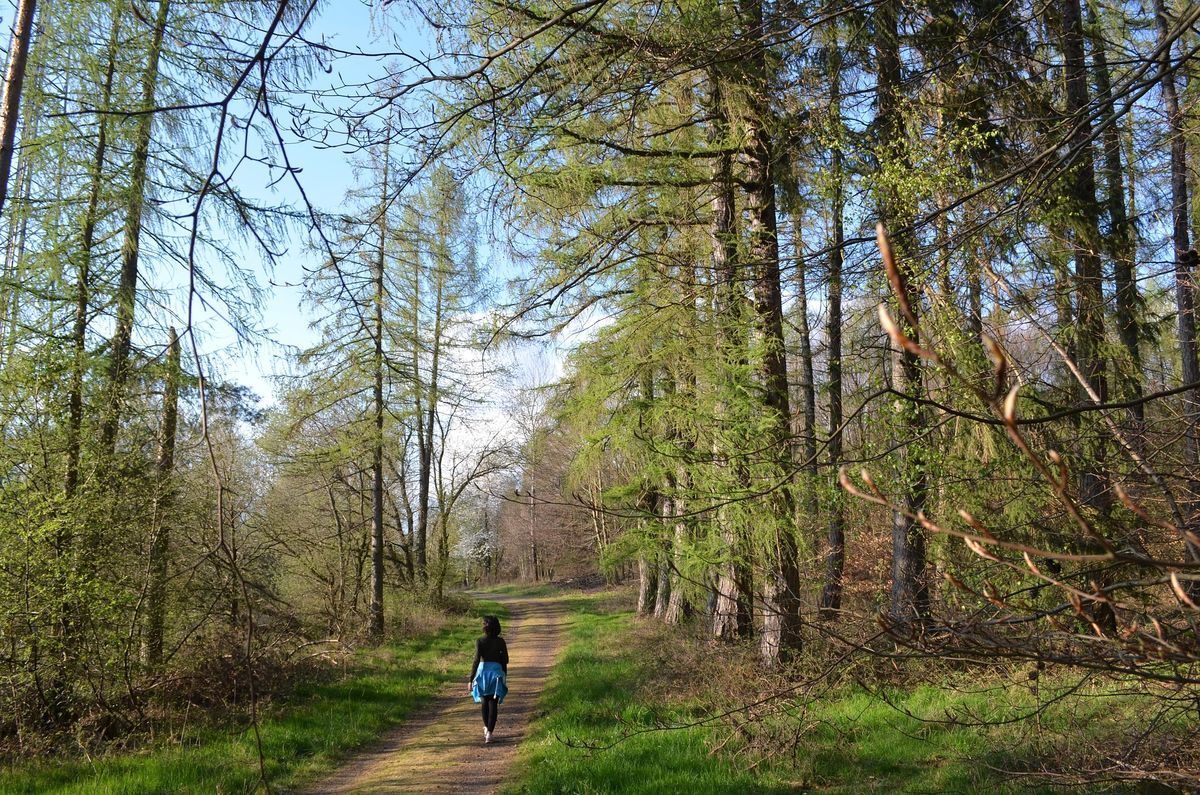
[
  {"x": 620, "y": 678},
  {"x": 595, "y": 695},
  {"x": 318, "y": 725}
]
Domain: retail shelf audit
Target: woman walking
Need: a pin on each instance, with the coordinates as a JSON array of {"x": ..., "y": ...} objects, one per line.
[{"x": 489, "y": 674}]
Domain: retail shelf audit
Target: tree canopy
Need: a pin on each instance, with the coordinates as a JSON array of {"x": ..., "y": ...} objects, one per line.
[{"x": 873, "y": 328}]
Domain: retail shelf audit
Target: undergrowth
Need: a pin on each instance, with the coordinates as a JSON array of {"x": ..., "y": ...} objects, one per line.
[
  {"x": 635, "y": 707},
  {"x": 304, "y": 734}
]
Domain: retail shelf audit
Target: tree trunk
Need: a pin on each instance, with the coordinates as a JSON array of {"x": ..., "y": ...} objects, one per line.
[
  {"x": 531, "y": 572},
  {"x": 1120, "y": 242},
  {"x": 13, "y": 277},
  {"x": 443, "y": 557},
  {"x": 91, "y": 217},
  {"x": 680, "y": 607},
  {"x": 14, "y": 79},
  {"x": 663, "y": 595},
  {"x": 647, "y": 582},
  {"x": 1184, "y": 294},
  {"x": 127, "y": 286},
  {"x": 808, "y": 392},
  {"x": 400, "y": 470},
  {"x": 432, "y": 396},
  {"x": 160, "y": 542},
  {"x": 677, "y": 607},
  {"x": 910, "y": 591},
  {"x": 974, "y": 295},
  {"x": 1185, "y": 266},
  {"x": 376, "y": 628},
  {"x": 1086, "y": 242},
  {"x": 731, "y": 611},
  {"x": 424, "y": 440},
  {"x": 780, "y": 592},
  {"x": 806, "y": 510},
  {"x": 835, "y": 548}
]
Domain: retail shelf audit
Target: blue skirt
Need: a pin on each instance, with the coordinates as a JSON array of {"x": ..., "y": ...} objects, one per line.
[{"x": 489, "y": 681}]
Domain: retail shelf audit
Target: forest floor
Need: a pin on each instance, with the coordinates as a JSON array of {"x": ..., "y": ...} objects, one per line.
[
  {"x": 634, "y": 706},
  {"x": 604, "y": 702},
  {"x": 442, "y": 750}
]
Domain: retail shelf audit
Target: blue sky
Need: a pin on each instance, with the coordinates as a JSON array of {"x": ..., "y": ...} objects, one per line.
[{"x": 327, "y": 175}]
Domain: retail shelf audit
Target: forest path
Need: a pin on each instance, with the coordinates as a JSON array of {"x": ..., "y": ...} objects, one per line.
[{"x": 442, "y": 750}]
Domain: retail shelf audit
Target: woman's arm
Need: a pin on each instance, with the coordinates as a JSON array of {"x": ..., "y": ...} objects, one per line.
[
  {"x": 478, "y": 656},
  {"x": 503, "y": 655}
]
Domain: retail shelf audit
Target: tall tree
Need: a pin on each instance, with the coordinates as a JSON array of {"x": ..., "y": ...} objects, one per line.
[
  {"x": 910, "y": 589},
  {"x": 835, "y": 550},
  {"x": 1086, "y": 242},
  {"x": 443, "y": 285},
  {"x": 377, "y": 366},
  {"x": 1186, "y": 263},
  {"x": 1120, "y": 242},
  {"x": 126, "y": 297},
  {"x": 160, "y": 539},
  {"x": 731, "y": 613},
  {"x": 781, "y": 589},
  {"x": 14, "y": 80},
  {"x": 86, "y": 255},
  {"x": 1185, "y": 299}
]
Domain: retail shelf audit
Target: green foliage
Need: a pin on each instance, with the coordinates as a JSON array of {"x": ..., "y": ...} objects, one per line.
[
  {"x": 304, "y": 736},
  {"x": 612, "y": 723},
  {"x": 593, "y": 698}
]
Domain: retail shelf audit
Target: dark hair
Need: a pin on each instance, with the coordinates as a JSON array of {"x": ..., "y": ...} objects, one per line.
[{"x": 491, "y": 626}]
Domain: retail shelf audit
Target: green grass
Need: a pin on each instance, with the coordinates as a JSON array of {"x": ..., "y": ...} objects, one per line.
[
  {"x": 590, "y": 697},
  {"x": 850, "y": 741},
  {"x": 959, "y": 736},
  {"x": 318, "y": 726},
  {"x": 523, "y": 589},
  {"x": 859, "y": 743}
]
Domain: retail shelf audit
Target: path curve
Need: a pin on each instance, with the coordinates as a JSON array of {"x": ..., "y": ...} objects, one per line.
[{"x": 442, "y": 750}]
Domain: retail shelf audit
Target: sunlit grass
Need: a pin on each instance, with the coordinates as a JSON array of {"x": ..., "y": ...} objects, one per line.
[
  {"x": 962, "y": 737},
  {"x": 589, "y": 700},
  {"x": 523, "y": 589},
  {"x": 597, "y": 731},
  {"x": 318, "y": 726}
]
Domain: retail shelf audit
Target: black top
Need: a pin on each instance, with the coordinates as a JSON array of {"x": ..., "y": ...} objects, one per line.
[{"x": 490, "y": 650}]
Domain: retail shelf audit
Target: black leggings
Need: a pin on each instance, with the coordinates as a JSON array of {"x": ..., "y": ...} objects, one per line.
[{"x": 491, "y": 710}]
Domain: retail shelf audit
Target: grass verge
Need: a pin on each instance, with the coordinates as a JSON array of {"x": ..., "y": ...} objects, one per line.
[
  {"x": 319, "y": 725},
  {"x": 524, "y": 589},
  {"x": 595, "y": 694},
  {"x": 621, "y": 679}
]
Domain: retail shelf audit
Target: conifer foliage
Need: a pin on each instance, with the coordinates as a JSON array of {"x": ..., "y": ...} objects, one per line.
[{"x": 875, "y": 315}]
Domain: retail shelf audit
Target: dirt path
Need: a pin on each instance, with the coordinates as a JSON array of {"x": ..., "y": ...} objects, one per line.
[{"x": 441, "y": 750}]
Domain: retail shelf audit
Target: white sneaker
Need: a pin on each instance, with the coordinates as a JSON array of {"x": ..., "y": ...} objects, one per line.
[{"x": 487, "y": 736}]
